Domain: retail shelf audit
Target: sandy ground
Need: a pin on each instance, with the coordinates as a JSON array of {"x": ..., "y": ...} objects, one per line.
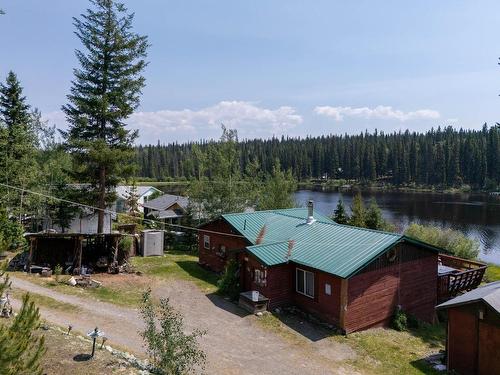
[{"x": 235, "y": 343}]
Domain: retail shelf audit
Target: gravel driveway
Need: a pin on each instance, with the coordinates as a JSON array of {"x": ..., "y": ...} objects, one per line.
[{"x": 235, "y": 343}]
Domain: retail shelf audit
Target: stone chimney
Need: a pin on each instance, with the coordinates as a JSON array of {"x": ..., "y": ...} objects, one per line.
[{"x": 310, "y": 212}]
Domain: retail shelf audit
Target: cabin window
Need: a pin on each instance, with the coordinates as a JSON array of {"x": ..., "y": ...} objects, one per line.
[
  {"x": 206, "y": 241},
  {"x": 222, "y": 251},
  {"x": 328, "y": 289},
  {"x": 305, "y": 282},
  {"x": 260, "y": 277}
]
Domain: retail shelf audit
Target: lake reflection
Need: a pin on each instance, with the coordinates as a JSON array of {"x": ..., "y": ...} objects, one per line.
[{"x": 476, "y": 215}]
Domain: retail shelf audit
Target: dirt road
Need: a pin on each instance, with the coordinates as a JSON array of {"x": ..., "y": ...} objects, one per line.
[{"x": 235, "y": 343}]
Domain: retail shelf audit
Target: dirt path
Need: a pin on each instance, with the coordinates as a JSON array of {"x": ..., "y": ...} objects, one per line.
[{"x": 234, "y": 343}]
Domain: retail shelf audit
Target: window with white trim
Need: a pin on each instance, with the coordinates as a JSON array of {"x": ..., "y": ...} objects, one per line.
[
  {"x": 260, "y": 277},
  {"x": 206, "y": 241},
  {"x": 304, "y": 282}
]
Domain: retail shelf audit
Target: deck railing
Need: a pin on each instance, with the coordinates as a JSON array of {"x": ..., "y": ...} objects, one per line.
[{"x": 468, "y": 276}]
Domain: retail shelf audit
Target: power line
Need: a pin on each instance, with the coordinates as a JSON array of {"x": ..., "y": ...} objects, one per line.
[{"x": 105, "y": 210}]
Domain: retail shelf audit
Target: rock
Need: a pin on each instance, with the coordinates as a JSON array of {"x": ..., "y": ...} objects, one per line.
[
  {"x": 277, "y": 310},
  {"x": 440, "y": 367},
  {"x": 259, "y": 313}
]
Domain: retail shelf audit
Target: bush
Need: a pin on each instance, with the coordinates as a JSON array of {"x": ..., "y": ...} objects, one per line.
[
  {"x": 126, "y": 244},
  {"x": 171, "y": 351},
  {"x": 58, "y": 271},
  {"x": 452, "y": 240},
  {"x": 399, "y": 320},
  {"x": 229, "y": 283},
  {"x": 11, "y": 234}
]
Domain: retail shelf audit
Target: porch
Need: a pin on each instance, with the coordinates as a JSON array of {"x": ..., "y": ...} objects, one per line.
[{"x": 457, "y": 275}]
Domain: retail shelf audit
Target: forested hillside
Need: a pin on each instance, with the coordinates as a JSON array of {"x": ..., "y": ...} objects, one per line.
[{"x": 445, "y": 157}]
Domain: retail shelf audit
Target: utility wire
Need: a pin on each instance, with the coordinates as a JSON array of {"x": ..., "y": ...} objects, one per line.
[{"x": 105, "y": 210}]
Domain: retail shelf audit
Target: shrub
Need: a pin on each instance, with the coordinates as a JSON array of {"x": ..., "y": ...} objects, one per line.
[
  {"x": 58, "y": 272},
  {"x": 125, "y": 245},
  {"x": 171, "y": 351},
  {"x": 399, "y": 320},
  {"x": 452, "y": 240},
  {"x": 229, "y": 283}
]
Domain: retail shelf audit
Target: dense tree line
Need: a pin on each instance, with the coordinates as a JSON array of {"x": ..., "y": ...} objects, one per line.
[{"x": 446, "y": 157}]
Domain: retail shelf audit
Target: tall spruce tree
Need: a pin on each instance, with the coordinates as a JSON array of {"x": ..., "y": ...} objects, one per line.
[
  {"x": 17, "y": 143},
  {"x": 106, "y": 90}
]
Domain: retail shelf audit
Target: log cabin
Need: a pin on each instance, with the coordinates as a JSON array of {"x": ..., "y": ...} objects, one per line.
[{"x": 353, "y": 278}]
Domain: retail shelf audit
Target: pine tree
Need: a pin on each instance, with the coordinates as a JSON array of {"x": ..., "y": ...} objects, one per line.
[
  {"x": 21, "y": 349},
  {"x": 17, "y": 144},
  {"x": 105, "y": 91},
  {"x": 358, "y": 212},
  {"x": 339, "y": 215}
]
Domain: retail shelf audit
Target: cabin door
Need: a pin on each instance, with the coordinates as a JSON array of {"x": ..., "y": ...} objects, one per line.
[{"x": 489, "y": 352}]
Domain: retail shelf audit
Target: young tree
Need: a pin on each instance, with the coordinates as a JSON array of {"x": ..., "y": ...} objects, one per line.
[
  {"x": 105, "y": 91},
  {"x": 358, "y": 212},
  {"x": 373, "y": 217},
  {"x": 340, "y": 215},
  {"x": 277, "y": 191},
  {"x": 21, "y": 350},
  {"x": 171, "y": 351}
]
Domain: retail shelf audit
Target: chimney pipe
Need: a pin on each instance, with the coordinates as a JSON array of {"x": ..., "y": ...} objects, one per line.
[{"x": 310, "y": 212}]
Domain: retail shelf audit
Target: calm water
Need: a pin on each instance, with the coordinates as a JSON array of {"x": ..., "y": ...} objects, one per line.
[{"x": 476, "y": 215}]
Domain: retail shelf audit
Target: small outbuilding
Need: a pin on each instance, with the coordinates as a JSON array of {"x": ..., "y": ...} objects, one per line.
[{"x": 473, "y": 332}]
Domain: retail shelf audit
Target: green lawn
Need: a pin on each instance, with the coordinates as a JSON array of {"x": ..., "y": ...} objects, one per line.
[
  {"x": 492, "y": 273},
  {"x": 178, "y": 265},
  {"x": 386, "y": 351},
  {"x": 379, "y": 351}
]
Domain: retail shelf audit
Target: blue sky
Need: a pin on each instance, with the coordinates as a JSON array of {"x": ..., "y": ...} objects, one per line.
[{"x": 278, "y": 67}]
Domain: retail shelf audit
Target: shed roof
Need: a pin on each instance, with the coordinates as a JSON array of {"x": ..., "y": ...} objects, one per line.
[
  {"x": 124, "y": 191},
  {"x": 165, "y": 201},
  {"x": 324, "y": 245},
  {"x": 489, "y": 293}
]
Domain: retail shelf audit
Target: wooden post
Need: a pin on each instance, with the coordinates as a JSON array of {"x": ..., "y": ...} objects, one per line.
[
  {"x": 80, "y": 249},
  {"x": 30, "y": 256},
  {"x": 343, "y": 303}
]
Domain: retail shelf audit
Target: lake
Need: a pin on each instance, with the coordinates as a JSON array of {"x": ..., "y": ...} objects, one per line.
[{"x": 476, "y": 215}]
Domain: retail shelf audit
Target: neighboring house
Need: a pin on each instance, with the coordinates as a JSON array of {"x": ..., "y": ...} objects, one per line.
[
  {"x": 473, "y": 333},
  {"x": 167, "y": 208},
  {"x": 351, "y": 277},
  {"x": 123, "y": 193}
]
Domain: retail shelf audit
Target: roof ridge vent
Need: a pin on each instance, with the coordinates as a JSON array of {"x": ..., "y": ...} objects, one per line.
[{"x": 310, "y": 212}]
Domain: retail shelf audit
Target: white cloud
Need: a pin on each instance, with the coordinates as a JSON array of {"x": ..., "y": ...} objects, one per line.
[
  {"x": 249, "y": 119},
  {"x": 379, "y": 112},
  {"x": 167, "y": 125}
]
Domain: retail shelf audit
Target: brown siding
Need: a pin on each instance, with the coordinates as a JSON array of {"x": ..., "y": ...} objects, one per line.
[
  {"x": 278, "y": 286},
  {"x": 326, "y": 307},
  {"x": 410, "y": 280},
  {"x": 209, "y": 257},
  {"x": 462, "y": 340},
  {"x": 473, "y": 343}
]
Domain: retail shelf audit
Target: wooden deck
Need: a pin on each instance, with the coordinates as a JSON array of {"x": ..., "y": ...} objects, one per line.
[{"x": 458, "y": 275}]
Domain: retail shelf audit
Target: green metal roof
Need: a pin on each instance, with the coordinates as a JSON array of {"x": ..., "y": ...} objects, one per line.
[{"x": 324, "y": 245}]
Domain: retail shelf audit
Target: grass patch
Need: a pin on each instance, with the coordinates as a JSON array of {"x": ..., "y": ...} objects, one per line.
[
  {"x": 45, "y": 301},
  {"x": 272, "y": 323},
  {"x": 386, "y": 351},
  {"x": 177, "y": 265},
  {"x": 492, "y": 273},
  {"x": 119, "y": 294}
]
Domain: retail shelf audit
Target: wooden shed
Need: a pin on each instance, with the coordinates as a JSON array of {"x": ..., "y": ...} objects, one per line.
[{"x": 473, "y": 331}]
